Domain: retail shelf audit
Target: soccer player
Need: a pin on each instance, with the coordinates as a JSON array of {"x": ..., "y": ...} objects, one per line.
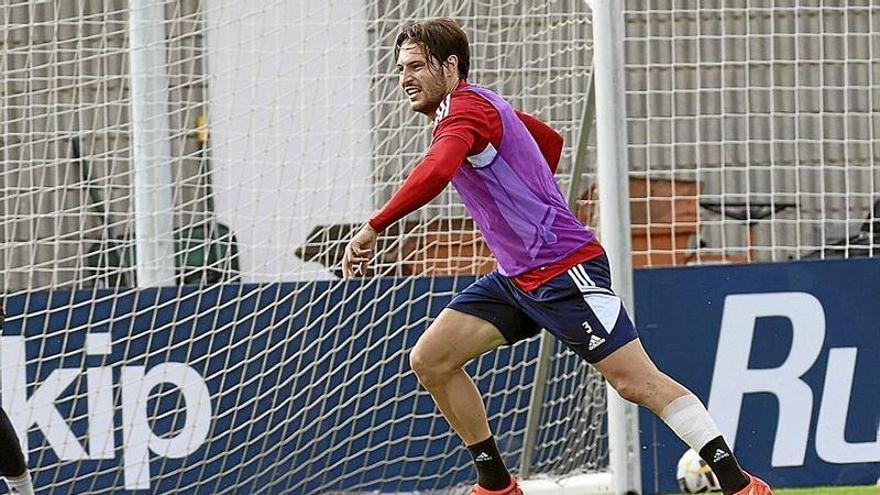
[
  {"x": 12, "y": 465},
  {"x": 551, "y": 272}
]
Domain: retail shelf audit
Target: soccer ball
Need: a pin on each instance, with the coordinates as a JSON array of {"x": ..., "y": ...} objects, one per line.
[{"x": 694, "y": 475}]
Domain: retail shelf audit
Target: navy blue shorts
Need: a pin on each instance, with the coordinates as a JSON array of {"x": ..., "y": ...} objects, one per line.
[{"x": 577, "y": 307}]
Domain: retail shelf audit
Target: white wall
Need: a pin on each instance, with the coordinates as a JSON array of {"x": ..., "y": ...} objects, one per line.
[{"x": 290, "y": 128}]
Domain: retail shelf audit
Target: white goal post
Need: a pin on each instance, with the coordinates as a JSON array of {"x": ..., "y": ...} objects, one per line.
[{"x": 612, "y": 180}]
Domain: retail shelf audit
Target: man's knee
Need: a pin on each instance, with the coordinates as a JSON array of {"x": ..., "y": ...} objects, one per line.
[
  {"x": 649, "y": 389},
  {"x": 639, "y": 386},
  {"x": 430, "y": 367},
  {"x": 630, "y": 389}
]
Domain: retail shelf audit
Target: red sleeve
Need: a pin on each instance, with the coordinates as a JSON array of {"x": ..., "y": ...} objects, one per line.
[
  {"x": 471, "y": 119},
  {"x": 549, "y": 141},
  {"x": 461, "y": 132},
  {"x": 475, "y": 121},
  {"x": 425, "y": 182},
  {"x": 468, "y": 126}
]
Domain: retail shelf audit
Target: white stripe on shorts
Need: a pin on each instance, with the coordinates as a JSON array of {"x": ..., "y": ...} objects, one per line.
[
  {"x": 585, "y": 274},
  {"x": 582, "y": 284}
]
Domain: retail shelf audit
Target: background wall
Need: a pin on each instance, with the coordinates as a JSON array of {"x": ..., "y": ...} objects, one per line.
[{"x": 290, "y": 125}]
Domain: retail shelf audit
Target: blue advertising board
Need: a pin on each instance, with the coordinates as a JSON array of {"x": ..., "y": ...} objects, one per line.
[
  {"x": 785, "y": 356},
  {"x": 239, "y": 388}
]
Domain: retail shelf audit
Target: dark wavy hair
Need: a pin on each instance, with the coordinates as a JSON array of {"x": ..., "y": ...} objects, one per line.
[{"x": 440, "y": 38}]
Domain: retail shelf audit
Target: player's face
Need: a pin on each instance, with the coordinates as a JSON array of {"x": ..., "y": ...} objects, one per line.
[{"x": 421, "y": 79}]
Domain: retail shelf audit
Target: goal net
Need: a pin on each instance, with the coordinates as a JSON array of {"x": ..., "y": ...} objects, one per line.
[
  {"x": 753, "y": 130},
  {"x": 178, "y": 181}
]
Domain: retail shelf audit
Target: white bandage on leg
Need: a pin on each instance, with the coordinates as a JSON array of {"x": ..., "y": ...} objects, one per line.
[
  {"x": 690, "y": 420},
  {"x": 21, "y": 484}
]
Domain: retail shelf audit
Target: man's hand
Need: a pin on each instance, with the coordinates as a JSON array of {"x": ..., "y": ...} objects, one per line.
[{"x": 358, "y": 253}]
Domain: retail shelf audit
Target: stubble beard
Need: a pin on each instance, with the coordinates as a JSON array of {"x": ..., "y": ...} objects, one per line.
[{"x": 431, "y": 97}]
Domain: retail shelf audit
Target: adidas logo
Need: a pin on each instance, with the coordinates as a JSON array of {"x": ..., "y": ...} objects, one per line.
[
  {"x": 720, "y": 454},
  {"x": 595, "y": 342},
  {"x": 483, "y": 457}
]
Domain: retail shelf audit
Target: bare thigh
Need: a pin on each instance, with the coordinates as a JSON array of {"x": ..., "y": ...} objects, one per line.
[{"x": 455, "y": 338}]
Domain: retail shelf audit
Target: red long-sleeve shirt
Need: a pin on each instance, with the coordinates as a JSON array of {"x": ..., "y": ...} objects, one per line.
[{"x": 469, "y": 125}]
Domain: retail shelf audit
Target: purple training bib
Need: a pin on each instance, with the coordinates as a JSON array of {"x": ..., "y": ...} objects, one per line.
[{"x": 514, "y": 199}]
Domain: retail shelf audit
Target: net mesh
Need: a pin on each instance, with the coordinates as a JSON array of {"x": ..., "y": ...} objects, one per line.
[
  {"x": 248, "y": 367},
  {"x": 753, "y": 130}
]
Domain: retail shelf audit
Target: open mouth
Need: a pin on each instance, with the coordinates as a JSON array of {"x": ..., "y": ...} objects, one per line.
[{"x": 412, "y": 91}]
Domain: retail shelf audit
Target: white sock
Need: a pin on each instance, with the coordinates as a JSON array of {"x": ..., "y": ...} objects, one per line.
[
  {"x": 690, "y": 420},
  {"x": 22, "y": 484}
]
